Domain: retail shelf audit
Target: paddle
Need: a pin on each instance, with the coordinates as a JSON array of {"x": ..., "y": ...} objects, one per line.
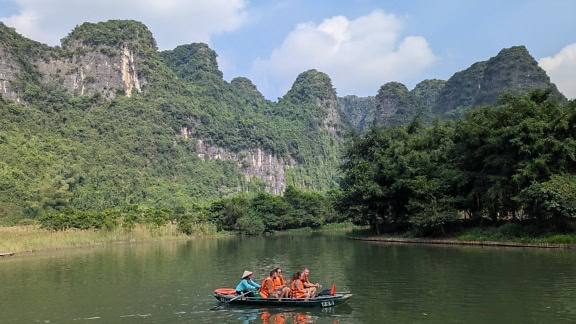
[{"x": 233, "y": 299}]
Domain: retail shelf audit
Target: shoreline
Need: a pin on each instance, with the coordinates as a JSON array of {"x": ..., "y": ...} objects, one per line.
[
  {"x": 19, "y": 240},
  {"x": 469, "y": 243}
]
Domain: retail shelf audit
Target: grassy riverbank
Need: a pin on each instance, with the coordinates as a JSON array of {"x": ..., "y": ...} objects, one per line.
[
  {"x": 33, "y": 238},
  {"x": 507, "y": 233},
  {"x": 494, "y": 234},
  {"x": 327, "y": 227}
]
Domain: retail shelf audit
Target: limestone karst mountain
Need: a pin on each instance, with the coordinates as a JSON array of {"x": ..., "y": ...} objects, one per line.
[
  {"x": 115, "y": 122},
  {"x": 513, "y": 71}
]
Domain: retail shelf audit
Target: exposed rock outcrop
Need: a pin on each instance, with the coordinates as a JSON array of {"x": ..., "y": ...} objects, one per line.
[
  {"x": 94, "y": 72},
  {"x": 252, "y": 163},
  {"x": 85, "y": 65},
  {"x": 9, "y": 70}
]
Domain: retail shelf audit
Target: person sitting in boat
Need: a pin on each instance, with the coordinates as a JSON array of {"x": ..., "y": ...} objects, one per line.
[
  {"x": 309, "y": 286},
  {"x": 267, "y": 290},
  {"x": 297, "y": 289},
  {"x": 246, "y": 285},
  {"x": 280, "y": 284}
]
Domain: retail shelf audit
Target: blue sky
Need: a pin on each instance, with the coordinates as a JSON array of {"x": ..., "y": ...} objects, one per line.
[{"x": 361, "y": 44}]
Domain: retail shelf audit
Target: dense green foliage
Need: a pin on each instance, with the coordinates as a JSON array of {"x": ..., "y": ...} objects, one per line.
[
  {"x": 244, "y": 213},
  {"x": 359, "y": 111},
  {"x": 192, "y": 61},
  {"x": 111, "y": 33},
  {"x": 266, "y": 212},
  {"x": 509, "y": 163}
]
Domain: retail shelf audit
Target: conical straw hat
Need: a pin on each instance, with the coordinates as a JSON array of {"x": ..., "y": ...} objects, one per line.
[{"x": 246, "y": 274}]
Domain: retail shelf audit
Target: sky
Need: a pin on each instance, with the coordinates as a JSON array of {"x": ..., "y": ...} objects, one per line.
[{"x": 360, "y": 44}]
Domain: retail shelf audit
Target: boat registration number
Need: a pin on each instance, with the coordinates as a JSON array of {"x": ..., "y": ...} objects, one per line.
[{"x": 327, "y": 303}]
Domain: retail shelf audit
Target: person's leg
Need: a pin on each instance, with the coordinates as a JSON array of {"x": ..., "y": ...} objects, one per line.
[{"x": 312, "y": 291}]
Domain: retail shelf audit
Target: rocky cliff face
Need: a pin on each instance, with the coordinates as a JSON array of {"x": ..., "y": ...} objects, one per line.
[
  {"x": 112, "y": 74},
  {"x": 84, "y": 65},
  {"x": 9, "y": 71},
  {"x": 251, "y": 163}
]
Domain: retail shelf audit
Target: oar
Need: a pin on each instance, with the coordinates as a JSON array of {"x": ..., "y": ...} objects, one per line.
[{"x": 233, "y": 299}]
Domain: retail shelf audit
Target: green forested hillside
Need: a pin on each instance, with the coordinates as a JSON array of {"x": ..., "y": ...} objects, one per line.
[
  {"x": 61, "y": 149},
  {"x": 514, "y": 163}
]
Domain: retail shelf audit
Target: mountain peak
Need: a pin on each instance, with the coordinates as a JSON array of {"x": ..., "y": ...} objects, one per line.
[
  {"x": 311, "y": 86},
  {"x": 513, "y": 70},
  {"x": 245, "y": 86},
  {"x": 193, "y": 61},
  {"x": 113, "y": 33}
]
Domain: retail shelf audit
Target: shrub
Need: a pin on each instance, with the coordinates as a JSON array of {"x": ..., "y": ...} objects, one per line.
[{"x": 251, "y": 224}]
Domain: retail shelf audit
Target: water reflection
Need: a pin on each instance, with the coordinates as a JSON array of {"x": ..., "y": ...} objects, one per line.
[{"x": 280, "y": 316}]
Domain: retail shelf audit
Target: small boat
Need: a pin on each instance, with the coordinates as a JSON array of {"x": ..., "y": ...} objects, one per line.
[{"x": 228, "y": 295}]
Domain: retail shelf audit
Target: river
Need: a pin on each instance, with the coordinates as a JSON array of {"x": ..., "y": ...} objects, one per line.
[{"x": 172, "y": 282}]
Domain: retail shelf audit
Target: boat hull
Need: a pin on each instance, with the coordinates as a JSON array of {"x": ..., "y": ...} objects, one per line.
[{"x": 323, "y": 301}]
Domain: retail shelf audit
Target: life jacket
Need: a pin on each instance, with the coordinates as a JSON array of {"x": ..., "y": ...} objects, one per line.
[
  {"x": 295, "y": 292},
  {"x": 264, "y": 290},
  {"x": 279, "y": 281},
  {"x": 306, "y": 280}
]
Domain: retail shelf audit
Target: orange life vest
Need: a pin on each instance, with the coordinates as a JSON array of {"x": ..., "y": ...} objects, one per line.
[
  {"x": 264, "y": 289},
  {"x": 297, "y": 292},
  {"x": 279, "y": 281}
]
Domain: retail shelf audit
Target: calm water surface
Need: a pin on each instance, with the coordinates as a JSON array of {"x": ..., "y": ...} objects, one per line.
[{"x": 172, "y": 282}]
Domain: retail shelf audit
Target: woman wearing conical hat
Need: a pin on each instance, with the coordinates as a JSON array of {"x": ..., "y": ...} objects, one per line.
[{"x": 246, "y": 285}]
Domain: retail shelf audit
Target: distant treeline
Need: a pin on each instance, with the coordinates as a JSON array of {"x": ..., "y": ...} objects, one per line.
[
  {"x": 511, "y": 163},
  {"x": 243, "y": 213}
]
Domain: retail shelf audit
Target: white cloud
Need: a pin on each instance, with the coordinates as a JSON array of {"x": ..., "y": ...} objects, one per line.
[
  {"x": 562, "y": 70},
  {"x": 359, "y": 55},
  {"x": 173, "y": 22}
]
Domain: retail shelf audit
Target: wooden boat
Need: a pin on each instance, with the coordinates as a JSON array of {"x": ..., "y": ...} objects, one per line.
[{"x": 227, "y": 295}]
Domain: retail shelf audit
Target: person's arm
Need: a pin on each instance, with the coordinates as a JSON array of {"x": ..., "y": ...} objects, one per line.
[
  {"x": 307, "y": 284},
  {"x": 247, "y": 286},
  {"x": 252, "y": 285},
  {"x": 300, "y": 289}
]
